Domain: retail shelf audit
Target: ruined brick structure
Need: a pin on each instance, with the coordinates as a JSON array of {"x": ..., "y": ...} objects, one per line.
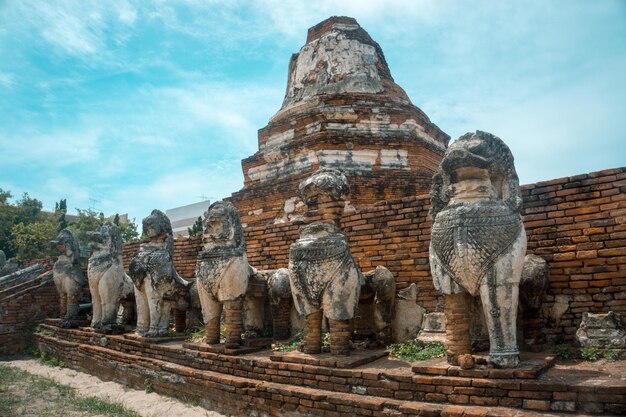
[
  {"x": 342, "y": 109},
  {"x": 577, "y": 224}
]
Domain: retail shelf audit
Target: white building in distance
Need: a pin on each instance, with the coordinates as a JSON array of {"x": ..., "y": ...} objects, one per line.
[{"x": 185, "y": 216}]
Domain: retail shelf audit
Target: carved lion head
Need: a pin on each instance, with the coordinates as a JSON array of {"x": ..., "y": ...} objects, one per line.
[
  {"x": 324, "y": 182},
  {"x": 476, "y": 154},
  {"x": 157, "y": 224},
  {"x": 222, "y": 225},
  {"x": 108, "y": 239},
  {"x": 67, "y": 243}
]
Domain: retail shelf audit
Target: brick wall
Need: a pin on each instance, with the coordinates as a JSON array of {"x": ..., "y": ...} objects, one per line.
[
  {"x": 578, "y": 224},
  {"x": 26, "y": 305}
]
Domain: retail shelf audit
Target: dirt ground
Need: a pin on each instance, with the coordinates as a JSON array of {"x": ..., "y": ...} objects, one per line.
[{"x": 142, "y": 403}]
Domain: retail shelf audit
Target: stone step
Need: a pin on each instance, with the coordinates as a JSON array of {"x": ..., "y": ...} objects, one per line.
[
  {"x": 387, "y": 379},
  {"x": 239, "y": 393}
]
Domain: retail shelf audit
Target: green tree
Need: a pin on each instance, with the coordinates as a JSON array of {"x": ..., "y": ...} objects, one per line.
[
  {"x": 61, "y": 210},
  {"x": 32, "y": 240},
  {"x": 7, "y": 221},
  {"x": 86, "y": 221},
  {"x": 129, "y": 231},
  {"x": 196, "y": 229},
  {"x": 25, "y": 211}
]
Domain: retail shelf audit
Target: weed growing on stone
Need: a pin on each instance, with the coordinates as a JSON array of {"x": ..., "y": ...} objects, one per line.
[
  {"x": 291, "y": 346},
  {"x": 147, "y": 386},
  {"x": 611, "y": 355},
  {"x": 326, "y": 339},
  {"x": 414, "y": 351},
  {"x": 590, "y": 353},
  {"x": 562, "y": 351},
  {"x": 197, "y": 335},
  {"x": 48, "y": 360},
  {"x": 45, "y": 332}
]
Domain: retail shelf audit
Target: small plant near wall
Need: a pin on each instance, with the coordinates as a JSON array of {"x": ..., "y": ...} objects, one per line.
[
  {"x": 415, "y": 351},
  {"x": 147, "y": 386},
  {"x": 611, "y": 355},
  {"x": 197, "y": 335},
  {"x": 562, "y": 351},
  {"x": 590, "y": 353},
  {"x": 290, "y": 346}
]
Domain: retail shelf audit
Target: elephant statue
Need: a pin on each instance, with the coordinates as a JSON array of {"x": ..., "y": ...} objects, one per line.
[
  {"x": 105, "y": 273},
  {"x": 222, "y": 271},
  {"x": 478, "y": 243},
  {"x": 325, "y": 280},
  {"x": 158, "y": 287},
  {"x": 68, "y": 277}
]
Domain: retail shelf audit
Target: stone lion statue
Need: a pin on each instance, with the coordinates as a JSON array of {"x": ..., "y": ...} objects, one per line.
[
  {"x": 157, "y": 284},
  {"x": 325, "y": 280},
  {"x": 68, "y": 277},
  {"x": 105, "y": 273},
  {"x": 222, "y": 271},
  {"x": 478, "y": 242}
]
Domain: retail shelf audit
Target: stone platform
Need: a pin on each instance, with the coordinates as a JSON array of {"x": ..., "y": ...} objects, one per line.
[
  {"x": 531, "y": 366},
  {"x": 221, "y": 348},
  {"x": 386, "y": 387},
  {"x": 357, "y": 358}
]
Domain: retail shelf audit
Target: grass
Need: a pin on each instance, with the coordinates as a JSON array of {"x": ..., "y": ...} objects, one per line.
[
  {"x": 43, "y": 357},
  {"x": 562, "y": 351},
  {"x": 22, "y": 393},
  {"x": 199, "y": 333},
  {"x": 291, "y": 346},
  {"x": 589, "y": 353},
  {"x": 147, "y": 386},
  {"x": 413, "y": 351},
  {"x": 611, "y": 355}
]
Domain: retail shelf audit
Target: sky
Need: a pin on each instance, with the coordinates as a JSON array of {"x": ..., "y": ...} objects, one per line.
[{"x": 126, "y": 106}]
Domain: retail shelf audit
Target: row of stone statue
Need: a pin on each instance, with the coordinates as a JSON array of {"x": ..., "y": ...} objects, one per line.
[
  {"x": 477, "y": 248},
  {"x": 323, "y": 279}
]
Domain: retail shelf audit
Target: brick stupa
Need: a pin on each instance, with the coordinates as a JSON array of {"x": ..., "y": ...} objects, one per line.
[{"x": 342, "y": 109}]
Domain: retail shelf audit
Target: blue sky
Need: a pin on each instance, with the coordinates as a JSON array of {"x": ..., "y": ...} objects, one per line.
[{"x": 126, "y": 106}]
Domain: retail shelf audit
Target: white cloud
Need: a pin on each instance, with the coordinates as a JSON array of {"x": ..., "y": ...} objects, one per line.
[
  {"x": 127, "y": 13},
  {"x": 7, "y": 79},
  {"x": 59, "y": 148},
  {"x": 74, "y": 31},
  {"x": 174, "y": 189}
]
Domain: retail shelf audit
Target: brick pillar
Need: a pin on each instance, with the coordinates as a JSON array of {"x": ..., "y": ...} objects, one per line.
[
  {"x": 62, "y": 305},
  {"x": 280, "y": 319},
  {"x": 340, "y": 337},
  {"x": 180, "y": 320},
  {"x": 212, "y": 331},
  {"x": 313, "y": 332},
  {"x": 234, "y": 322},
  {"x": 457, "y": 307}
]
